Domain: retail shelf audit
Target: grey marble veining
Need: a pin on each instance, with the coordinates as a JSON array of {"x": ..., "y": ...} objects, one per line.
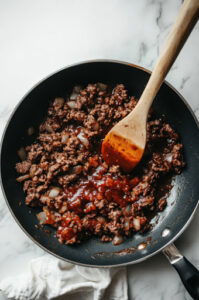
[{"x": 39, "y": 37}]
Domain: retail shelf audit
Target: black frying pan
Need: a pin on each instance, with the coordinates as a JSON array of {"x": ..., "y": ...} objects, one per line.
[{"x": 182, "y": 202}]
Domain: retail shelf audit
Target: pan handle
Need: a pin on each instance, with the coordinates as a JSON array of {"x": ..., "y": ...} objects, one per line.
[{"x": 188, "y": 273}]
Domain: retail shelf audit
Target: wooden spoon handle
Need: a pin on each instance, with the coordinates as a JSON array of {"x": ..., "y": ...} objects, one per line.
[{"x": 183, "y": 26}]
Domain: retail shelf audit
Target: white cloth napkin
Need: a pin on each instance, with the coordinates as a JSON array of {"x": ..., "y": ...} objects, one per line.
[{"x": 50, "y": 278}]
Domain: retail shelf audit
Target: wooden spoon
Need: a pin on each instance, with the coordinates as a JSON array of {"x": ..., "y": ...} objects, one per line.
[{"x": 125, "y": 142}]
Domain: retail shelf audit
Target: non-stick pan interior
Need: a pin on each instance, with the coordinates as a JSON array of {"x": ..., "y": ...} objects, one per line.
[{"x": 184, "y": 195}]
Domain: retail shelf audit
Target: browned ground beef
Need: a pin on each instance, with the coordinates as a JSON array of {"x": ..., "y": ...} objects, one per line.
[{"x": 64, "y": 172}]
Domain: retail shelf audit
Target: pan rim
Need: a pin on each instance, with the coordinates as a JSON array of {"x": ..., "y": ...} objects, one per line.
[{"x": 2, "y": 187}]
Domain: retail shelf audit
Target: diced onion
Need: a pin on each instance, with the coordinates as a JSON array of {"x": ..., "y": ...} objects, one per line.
[
  {"x": 101, "y": 86},
  {"x": 117, "y": 240},
  {"x": 115, "y": 214},
  {"x": 73, "y": 96},
  {"x": 54, "y": 192},
  {"x": 71, "y": 104},
  {"x": 63, "y": 209},
  {"x": 136, "y": 223},
  {"x": 22, "y": 153},
  {"x": 142, "y": 246},
  {"x": 56, "y": 214},
  {"x": 168, "y": 157},
  {"x": 65, "y": 137},
  {"x": 59, "y": 101},
  {"x": 30, "y": 130},
  {"x": 83, "y": 139},
  {"x": 44, "y": 199},
  {"x": 75, "y": 92},
  {"x": 41, "y": 217},
  {"x": 49, "y": 128},
  {"x": 101, "y": 220}
]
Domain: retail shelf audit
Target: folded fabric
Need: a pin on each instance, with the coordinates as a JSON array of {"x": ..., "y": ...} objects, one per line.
[{"x": 50, "y": 278}]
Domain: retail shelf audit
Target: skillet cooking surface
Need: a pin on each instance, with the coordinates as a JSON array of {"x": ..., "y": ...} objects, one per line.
[{"x": 184, "y": 195}]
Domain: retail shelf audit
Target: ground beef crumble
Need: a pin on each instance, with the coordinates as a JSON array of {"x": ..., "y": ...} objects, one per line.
[{"x": 64, "y": 172}]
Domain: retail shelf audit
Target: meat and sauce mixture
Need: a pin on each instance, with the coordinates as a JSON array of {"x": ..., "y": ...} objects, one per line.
[{"x": 64, "y": 174}]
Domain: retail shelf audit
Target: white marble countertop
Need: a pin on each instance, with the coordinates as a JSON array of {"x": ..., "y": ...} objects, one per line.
[{"x": 39, "y": 37}]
